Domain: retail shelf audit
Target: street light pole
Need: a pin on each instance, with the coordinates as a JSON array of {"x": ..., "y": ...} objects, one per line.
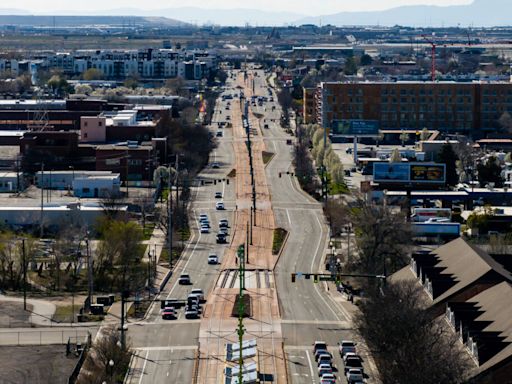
[{"x": 24, "y": 275}]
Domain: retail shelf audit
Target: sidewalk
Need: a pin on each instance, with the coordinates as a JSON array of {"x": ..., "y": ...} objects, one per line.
[{"x": 42, "y": 311}]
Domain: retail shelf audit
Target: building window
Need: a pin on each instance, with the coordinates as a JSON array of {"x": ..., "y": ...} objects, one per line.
[{"x": 100, "y": 124}]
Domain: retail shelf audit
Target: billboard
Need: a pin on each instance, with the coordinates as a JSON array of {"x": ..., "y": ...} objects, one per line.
[
  {"x": 355, "y": 128},
  {"x": 429, "y": 229},
  {"x": 410, "y": 173}
]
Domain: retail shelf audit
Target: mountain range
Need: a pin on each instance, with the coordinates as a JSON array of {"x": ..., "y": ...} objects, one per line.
[{"x": 479, "y": 13}]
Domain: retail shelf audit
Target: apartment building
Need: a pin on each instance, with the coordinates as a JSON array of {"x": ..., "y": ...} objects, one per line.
[
  {"x": 473, "y": 107},
  {"x": 119, "y": 64}
]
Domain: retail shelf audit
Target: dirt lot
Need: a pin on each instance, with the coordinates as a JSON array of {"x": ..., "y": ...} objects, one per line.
[
  {"x": 35, "y": 365},
  {"x": 12, "y": 315}
]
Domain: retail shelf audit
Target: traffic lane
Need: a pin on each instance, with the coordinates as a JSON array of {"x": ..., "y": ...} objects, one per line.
[
  {"x": 165, "y": 365},
  {"x": 304, "y": 369},
  {"x": 305, "y": 300}
]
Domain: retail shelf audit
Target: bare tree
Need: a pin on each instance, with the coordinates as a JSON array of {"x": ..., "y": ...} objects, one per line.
[
  {"x": 407, "y": 342},
  {"x": 107, "y": 361},
  {"x": 383, "y": 238}
]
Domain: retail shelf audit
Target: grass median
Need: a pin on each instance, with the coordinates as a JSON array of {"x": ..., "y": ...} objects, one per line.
[{"x": 278, "y": 240}]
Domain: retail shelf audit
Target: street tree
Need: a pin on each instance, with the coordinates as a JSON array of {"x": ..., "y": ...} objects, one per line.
[
  {"x": 395, "y": 156},
  {"x": 93, "y": 74},
  {"x": 448, "y": 156},
  {"x": 350, "y": 66},
  {"x": 383, "y": 238},
  {"x": 505, "y": 122},
  {"x": 489, "y": 171},
  {"x": 409, "y": 344}
]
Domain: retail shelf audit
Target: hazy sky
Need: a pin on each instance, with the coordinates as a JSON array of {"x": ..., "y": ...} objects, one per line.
[{"x": 308, "y": 7}]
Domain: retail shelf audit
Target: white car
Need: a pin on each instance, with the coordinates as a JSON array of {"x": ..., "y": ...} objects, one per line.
[
  {"x": 354, "y": 375},
  {"x": 205, "y": 229},
  {"x": 198, "y": 292},
  {"x": 213, "y": 259},
  {"x": 328, "y": 376},
  {"x": 219, "y": 206}
]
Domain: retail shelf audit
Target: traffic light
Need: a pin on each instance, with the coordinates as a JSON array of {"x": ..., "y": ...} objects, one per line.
[
  {"x": 293, "y": 277},
  {"x": 307, "y": 276},
  {"x": 315, "y": 278}
]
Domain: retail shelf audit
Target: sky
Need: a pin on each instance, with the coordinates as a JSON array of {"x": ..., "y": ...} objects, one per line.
[{"x": 307, "y": 7}]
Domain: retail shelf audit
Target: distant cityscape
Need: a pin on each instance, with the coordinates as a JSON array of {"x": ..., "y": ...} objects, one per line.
[{"x": 292, "y": 201}]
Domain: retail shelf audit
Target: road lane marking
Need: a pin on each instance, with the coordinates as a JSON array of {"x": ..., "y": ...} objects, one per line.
[
  {"x": 311, "y": 368},
  {"x": 143, "y": 367}
]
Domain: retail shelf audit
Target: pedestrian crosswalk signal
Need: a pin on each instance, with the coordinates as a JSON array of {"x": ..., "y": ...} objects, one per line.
[
  {"x": 315, "y": 278},
  {"x": 293, "y": 277}
]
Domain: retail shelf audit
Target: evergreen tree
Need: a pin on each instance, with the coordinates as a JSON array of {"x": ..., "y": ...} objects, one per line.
[{"x": 448, "y": 156}]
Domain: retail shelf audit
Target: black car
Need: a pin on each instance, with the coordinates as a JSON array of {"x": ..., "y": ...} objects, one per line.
[{"x": 221, "y": 239}]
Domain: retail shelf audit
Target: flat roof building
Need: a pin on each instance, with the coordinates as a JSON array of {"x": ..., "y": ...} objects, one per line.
[{"x": 472, "y": 107}]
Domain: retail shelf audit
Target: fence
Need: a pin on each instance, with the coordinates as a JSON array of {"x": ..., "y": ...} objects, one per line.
[
  {"x": 40, "y": 337},
  {"x": 83, "y": 355}
]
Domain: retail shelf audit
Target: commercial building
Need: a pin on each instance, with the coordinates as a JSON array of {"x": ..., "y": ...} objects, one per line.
[
  {"x": 97, "y": 186},
  {"x": 54, "y": 216},
  {"x": 473, "y": 107},
  {"x": 64, "y": 180},
  {"x": 9, "y": 182}
]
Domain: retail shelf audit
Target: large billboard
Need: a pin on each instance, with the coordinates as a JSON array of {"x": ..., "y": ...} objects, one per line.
[
  {"x": 409, "y": 173},
  {"x": 355, "y": 128}
]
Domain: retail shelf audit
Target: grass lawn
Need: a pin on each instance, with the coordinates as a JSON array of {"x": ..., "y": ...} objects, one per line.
[
  {"x": 337, "y": 189},
  {"x": 278, "y": 240},
  {"x": 64, "y": 313},
  {"x": 148, "y": 230},
  {"x": 267, "y": 156}
]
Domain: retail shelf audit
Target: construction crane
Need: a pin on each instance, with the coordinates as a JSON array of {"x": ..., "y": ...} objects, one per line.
[{"x": 434, "y": 46}]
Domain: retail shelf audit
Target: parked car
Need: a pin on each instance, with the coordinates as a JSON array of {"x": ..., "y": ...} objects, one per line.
[
  {"x": 223, "y": 231},
  {"x": 218, "y": 195},
  {"x": 219, "y": 134},
  {"x": 184, "y": 279},
  {"x": 223, "y": 223},
  {"x": 213, "y": 259},
  {"x": 205, "y": 228},
  {"x": 169, "y": 314},
  {"x": 219, "y": 206},
  {"x": 203, "y": 216}
]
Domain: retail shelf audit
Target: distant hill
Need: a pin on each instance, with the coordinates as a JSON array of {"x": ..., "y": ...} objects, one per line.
[
  {"x": 82, "y": 21},
  {"x": 479, "y": 13},
  {"x": 193, "y": 15}
]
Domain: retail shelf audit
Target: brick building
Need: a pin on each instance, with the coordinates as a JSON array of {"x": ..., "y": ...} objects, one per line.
[{"x": 446, "y": 106}]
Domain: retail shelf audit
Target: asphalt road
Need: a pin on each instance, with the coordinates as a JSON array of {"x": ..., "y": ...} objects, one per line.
[{"x": 166, "y": 349}]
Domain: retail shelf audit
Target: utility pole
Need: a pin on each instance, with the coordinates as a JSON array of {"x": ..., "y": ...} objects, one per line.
[
  {"x": 41, "y": 229},
  {"x": 24, "y": 275},
  {"x": 127, "y": 164},
  {"x": 241, "y": 309},
  {"x": 169, "y": 217},
  {"x": 89, "y": 271}
]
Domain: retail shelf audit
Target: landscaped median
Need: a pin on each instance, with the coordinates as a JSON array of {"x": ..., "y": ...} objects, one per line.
[{"x": 278, "y": 240}]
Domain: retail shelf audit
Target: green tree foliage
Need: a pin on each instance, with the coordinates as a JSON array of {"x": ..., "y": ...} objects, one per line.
[
  {"x": 490, "y": 172},
  {"x": 59, "y": 85},
  {"x": 119, "y": 254},
  {"x": 366, "y": 60},
  {"x": 93, "y": 74},
  {"x": 350, "y": 66},
  {"x": 448, "y": 156}
]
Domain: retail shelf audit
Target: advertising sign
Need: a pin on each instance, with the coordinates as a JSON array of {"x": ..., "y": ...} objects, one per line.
[
  {"x": 355, "y": 128},
  {"x": 391, "y": 172},
  {"x": 414, "y": 173},
  {"x": 428, "y": 173}
]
